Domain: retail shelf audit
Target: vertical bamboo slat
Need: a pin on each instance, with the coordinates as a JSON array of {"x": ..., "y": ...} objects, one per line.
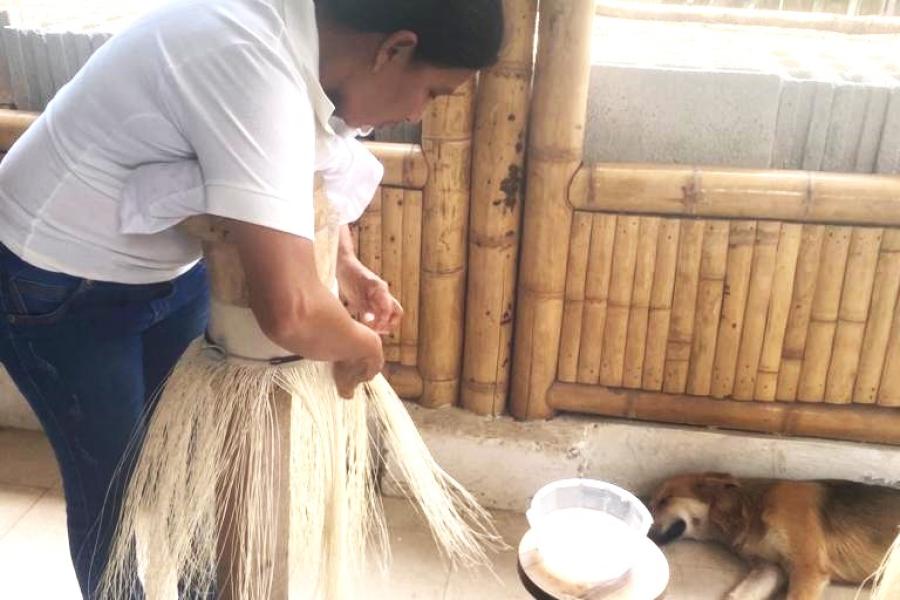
[
  {"x": 370, "y": 235},
  {"x": 824, "y": 315},
  {"x": 758, "y": 298},
  {"x": 497, "y": 190},
  {"x": 660, "y": 316},
  {"x": 621, "y": 286},
  {"x": 741, "y": 242},
  {"x": 411, "y": 267},
  {"x": 638, "y": 318},
  {"x": 392, "y": 257},
  {"x": 684, "y": 305},
  {"x": 596, "y": 296},
  {"x": 855, "y": 298},
  {"x": 878, "y": 328},
  {"x": 447, "y": 145},
  {"x": 808, "y": 264},
  {"x": 889, "y": 391},
  {"x": 713, "y": 260},
  {"x": 559, "y": 108},
  {"x": 576, "y": 279},
  {"x": 779, "y": 307}
]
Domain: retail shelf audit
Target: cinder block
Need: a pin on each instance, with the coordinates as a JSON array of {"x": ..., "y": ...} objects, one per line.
[
  {"x": 656, "y": 115},
  {"x": 795, "y": 111},
  {"x": 817, "y": 134},
  {"x": 705, "y": 94},
  {"x": 889, "y": 151},
  {"x": 41, "y": 69},
  {"x": 15, "y": 56},
  {"x": 845, "y": 128},
  {"x": 871, "y": 137},
  {"x": 60, "y": 70}
]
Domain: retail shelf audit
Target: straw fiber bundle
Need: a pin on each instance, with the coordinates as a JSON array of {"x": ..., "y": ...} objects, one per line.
[
  {"x": 887, "y": 579},
  {"x": 203, "y": 498}
]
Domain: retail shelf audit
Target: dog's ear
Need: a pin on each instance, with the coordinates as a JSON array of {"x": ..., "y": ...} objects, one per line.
[
  {"x": 727, "y": 509},
  {"x": 718, "y": 480}
]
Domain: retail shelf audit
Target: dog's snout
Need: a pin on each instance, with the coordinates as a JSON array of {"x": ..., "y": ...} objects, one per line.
[{"x": 662, "y": 536}]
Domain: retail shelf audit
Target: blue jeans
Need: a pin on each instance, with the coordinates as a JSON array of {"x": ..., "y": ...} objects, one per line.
[{"x": 90, "y": 356}]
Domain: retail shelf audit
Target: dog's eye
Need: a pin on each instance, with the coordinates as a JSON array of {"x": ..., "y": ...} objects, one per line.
[{"x": 663, "y": 503}]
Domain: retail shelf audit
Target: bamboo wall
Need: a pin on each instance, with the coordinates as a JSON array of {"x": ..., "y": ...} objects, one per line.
[
  {"x": 744, "y": 307},
  {"x": 414, "y": 236},
  {"x": 756, "y": 300}
]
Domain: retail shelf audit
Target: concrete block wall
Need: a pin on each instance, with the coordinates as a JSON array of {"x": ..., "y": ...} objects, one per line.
[
  {"x": 504, "y": 462},
  {"x": 744, "y": 96},
  {"x": 714, "y": 95}
]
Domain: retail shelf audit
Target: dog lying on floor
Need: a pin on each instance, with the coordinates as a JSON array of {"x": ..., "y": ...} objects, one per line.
[{"x": 805, "y": 533}]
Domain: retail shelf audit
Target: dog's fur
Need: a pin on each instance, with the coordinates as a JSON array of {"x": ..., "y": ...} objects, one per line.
[{"x": 812, "y": 532}]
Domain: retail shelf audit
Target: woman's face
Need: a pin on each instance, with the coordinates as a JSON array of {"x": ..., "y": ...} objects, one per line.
[{"x": 395, "y": 88}]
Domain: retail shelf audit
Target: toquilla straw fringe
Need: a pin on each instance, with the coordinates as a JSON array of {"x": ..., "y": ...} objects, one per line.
[{"x": 204, "y": 489}]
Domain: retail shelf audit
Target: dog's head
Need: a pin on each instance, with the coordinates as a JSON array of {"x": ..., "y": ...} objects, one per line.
[{"x": 696, "y": 506}]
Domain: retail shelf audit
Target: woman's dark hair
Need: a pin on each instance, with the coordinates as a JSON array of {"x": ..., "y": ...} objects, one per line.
[{"x": 452, "y": 33}]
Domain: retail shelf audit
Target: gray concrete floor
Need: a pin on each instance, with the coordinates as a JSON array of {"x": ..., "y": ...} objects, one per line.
[{"x": 34, "y": 561}]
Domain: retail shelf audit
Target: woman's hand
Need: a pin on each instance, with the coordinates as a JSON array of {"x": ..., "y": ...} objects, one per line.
[{"x": 367, "y": 296}]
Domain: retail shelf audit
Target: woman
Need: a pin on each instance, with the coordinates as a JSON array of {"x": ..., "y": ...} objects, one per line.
[{"x": 100, "y": 294}]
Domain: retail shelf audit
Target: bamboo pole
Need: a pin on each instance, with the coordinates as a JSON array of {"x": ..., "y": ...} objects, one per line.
[
  {"x": 889, "y": 392},
  {"x": 621, "y": 286},
  {"x": 759, "y": 296},
  {"x": 447, "y": 144},
  {"x": 638, "y": 318},
  {"x": 808, "y": 197},
  {"x": 405, "y": 380},
  {"x": 660, "y": 314},
  {"x": 854, "y": 311},
  {"x": 392, "y": 257},
  {"x": 684, "y": 305},
  {"x": 13, "y": 124},
  {"x": 824, "y": 315},
  {"x": 501, "y": 117},
  {"x": 741, "y": 241},
  {"x": 596, "y": 296},
  {"x": 880, "y": 426},
  {"x": 779, "y": 307},
  {"x": 411, "y": 267},
  {"x": 370, "y": 235},
  {"x": 404, "y": 164},
  {"x": 559, "y": 108},
  {"x": 878, "y": 327},
  {"x": 576, "y": 281},
  {"x": 757, "y": 18},
  {"x": 808, "y": 263},
  {"x": 713, "y": 262}
]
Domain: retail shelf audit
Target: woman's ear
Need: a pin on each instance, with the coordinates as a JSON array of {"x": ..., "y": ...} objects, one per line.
[{"x": 400, "y": 44}]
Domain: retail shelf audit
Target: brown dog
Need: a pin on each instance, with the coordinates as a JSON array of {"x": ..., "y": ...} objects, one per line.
[{"x": 812, "y": 531}]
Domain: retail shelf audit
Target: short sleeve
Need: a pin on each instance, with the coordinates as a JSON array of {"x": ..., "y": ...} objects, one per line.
[{"x": 250, "y": 122}]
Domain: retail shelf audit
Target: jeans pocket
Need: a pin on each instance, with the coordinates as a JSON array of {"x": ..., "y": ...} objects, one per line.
[{"x": 33, "y": 296}]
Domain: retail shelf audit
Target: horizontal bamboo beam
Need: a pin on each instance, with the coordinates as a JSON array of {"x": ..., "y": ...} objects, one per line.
[
  {"x": 406, "y": 381},
  {"x": 874, "y": 425},
  {"x": 404, "y": 164},
  {"x": 13, "y": 124},
  {"x": 757, "y": 18},
  {"x": 803, "y": 196}
]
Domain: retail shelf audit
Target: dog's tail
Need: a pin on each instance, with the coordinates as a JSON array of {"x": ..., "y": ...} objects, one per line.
[{"x": 887, "y": 578}]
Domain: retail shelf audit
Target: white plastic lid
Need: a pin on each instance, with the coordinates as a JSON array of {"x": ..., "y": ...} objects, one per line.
[
  {"x": 587, "y": 532},
  {"x": 592, "y": 494}
]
